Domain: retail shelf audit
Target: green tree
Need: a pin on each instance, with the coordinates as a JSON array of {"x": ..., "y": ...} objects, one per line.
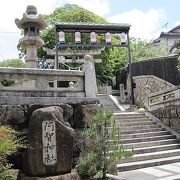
[
  {"x": 142, "y": 50},
  {"x": 12, "y": 63},
  {"x": 73, "y": 13}
]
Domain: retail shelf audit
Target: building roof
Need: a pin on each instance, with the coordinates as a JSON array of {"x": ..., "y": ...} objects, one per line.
[
  {"x": 172, "y": 32},
  {"x": 175, "y": 28}
]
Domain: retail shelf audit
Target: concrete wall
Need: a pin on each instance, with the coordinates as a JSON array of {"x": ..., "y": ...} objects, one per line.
[
  {"x": 29, "y": 82},
  {"x": 38, "y": 79}
]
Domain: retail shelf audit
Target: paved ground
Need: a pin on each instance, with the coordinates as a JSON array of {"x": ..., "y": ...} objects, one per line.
[{"x": 163, "y": 172}]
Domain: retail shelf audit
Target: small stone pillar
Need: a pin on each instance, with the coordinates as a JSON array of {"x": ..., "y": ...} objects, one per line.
[
  {"x": 31, "y": 24},
  {"x": 90, "y": 77},
  {"x": 122, "y": 93}
]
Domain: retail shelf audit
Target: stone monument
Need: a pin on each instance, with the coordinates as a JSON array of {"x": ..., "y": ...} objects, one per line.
[
  {"x": 31, "y": 23},
  {"x": 51, "y": 143}
]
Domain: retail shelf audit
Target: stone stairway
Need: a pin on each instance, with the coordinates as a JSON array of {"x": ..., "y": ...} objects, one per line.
[
  {"x": 107, "y": 103},
  {"x": 151, "y": 143}
]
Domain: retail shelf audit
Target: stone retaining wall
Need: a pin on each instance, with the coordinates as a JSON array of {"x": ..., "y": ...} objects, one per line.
[
  {"x": 145, "y": 85},
  {"x": 170, "y": 116}
]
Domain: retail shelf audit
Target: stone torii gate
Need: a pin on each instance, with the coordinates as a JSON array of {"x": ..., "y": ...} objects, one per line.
[{"x": 72, "y": 56}]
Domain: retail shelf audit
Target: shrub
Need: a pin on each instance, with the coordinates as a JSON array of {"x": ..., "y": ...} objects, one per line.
[
  {"x": 108, "y": 143},
  {"x": 87, "y": 164},
  {"x": 8, "y": 82},
  {"x": 9, "y": 143}
]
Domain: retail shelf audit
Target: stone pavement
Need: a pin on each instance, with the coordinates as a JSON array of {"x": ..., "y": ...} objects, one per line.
[{"x": 163, "y": 172}]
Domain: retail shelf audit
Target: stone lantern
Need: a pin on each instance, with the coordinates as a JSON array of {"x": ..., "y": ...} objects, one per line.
[{"x": 31, "y": 23}]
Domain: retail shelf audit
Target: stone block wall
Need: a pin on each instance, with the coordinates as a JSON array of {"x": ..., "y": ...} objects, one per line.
[
  {"x": 170, "y": 116},
  {"x": 146, "y": 85}
]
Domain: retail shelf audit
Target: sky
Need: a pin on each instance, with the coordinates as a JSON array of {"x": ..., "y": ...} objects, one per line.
[{"x": 146, "y": 17}]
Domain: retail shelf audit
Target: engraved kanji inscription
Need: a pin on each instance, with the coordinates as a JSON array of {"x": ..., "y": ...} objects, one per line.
[{"x": 49, "y": 143}]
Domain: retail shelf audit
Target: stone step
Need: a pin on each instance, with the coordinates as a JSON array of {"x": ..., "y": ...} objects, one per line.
[
  {"x": 121, "y": 124},
  {"x": 147, "y": 139},
  {"x": 124, "y": 142},
  {"x": 146, "y": 134},
  {"x": 105, "y": 101},
  {"x": 133, "y": 120},
  {"x": 156, "y": 148},
  {"x": 147, "y": 163},
  {"x": 149, "y": 144},
  {"x": 109, "y": 105},
  {"x": 113, "y": 109},
  {"x": 130, "y": 114},
  {"x": 149, "y": 156},
  {"x": 153, "y": 155},
  {"x": 131, "y": 117},
  {"x": 131, "y": 131},
  {"x": 143, "y": 126}
]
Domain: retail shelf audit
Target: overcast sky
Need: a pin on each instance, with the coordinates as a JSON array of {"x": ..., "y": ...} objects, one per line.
[{"x": 147, "y": 17}]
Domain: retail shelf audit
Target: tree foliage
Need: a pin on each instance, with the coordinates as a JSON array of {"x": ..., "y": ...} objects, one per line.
[
  {"x": 142, "y": 50},
  {"x": 12, "y": 63},
  {"x": 73, "y": 13}
]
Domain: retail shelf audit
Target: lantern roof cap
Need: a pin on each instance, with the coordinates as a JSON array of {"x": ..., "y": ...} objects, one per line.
[{"x": 31, "y": 17}]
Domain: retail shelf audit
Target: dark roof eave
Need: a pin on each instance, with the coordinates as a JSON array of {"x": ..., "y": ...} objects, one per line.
[
  {"x": 169, "y": 34},
  {"x": 175, "y": 28},
  {"x": 88, "y": 27}
]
